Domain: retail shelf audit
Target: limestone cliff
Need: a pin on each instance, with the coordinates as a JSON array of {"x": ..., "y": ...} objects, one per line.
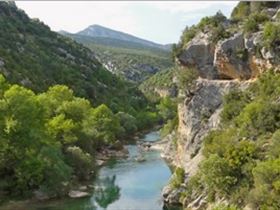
[
  {"x": 198, "y": 114},
  {"x": 230, "y": 62}
]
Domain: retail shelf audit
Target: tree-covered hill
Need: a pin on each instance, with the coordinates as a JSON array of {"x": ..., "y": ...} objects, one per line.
[
  {"x": 34, "y": 56},
  {"x": 58, "y": 107}
]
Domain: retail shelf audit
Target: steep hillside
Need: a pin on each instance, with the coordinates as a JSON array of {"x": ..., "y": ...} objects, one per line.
[
  {"x": 162, "y": 84},
  {"x": 132, "y": 60},
  {"x": 61, "y": 111},
  {"x": 228, "y": 119},
  {"x": 34, "y": 56}
]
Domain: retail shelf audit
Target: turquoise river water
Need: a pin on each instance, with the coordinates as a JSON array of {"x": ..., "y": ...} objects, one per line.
[{"x": 122, "y": 185}]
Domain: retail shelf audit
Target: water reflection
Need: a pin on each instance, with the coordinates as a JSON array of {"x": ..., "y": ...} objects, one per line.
[{"x": 107, "y": 191}]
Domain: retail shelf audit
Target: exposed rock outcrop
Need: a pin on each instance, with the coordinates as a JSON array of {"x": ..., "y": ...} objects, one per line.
[
  {"x": 230, "y": 58},
  {"x": 233, "y": 60},
  {"x": 167, "y": 92},
  {"x": 77, "y": 194},
  {"x": 238, "y": 57},
  {"x": 197, "y": 116},
  {"x": 199, "y": 53}
]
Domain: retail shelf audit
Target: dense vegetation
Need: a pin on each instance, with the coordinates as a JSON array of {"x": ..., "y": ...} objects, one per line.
[
  {"x": 242, "y": 157},
  {"x": 47, "y": 138},
  {"x": 128, "y": 60},
  {"x": 245, "y": 9},
  {"x": 169, "y": 81},
  {"x": 49, "y": 130},
  {"x": 162, "y": 80},
  {"x": 34, "y": 56},
  {"x": 252, "y": 15}
]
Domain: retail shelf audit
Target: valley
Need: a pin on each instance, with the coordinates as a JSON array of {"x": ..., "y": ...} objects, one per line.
[{"x": 102, "y": 119}]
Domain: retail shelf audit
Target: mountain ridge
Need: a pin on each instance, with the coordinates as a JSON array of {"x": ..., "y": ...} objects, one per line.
[
  {"x": 122, "y": 55},
  {"x": 97, "y": 30}
]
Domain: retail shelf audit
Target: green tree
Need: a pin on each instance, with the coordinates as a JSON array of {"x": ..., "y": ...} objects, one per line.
[
  {"x": 105, "y": 125},
  {"x": 81, "y": 162},
  {"x": 167, "y": 108},
  {"x": 127, "y": 122},
  {"x": 22, "y": 137},
  {"x": 266, "y": 193},
  {"x": 217, "y": 175}
]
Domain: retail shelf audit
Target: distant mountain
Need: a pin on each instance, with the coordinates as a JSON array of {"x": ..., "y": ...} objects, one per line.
[
  {"x": 125, "y": 55},
  {"x": 101, "y": 31}
]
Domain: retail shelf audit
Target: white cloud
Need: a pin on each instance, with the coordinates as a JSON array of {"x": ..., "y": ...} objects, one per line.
[
  {"x": 159, "y": 21},
  {"x": 76, "y": 15},
  {"x": 189, "y": 6}
]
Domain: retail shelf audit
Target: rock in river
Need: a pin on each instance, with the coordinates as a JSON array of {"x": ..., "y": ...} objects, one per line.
[{"x": 77, "y": 194}]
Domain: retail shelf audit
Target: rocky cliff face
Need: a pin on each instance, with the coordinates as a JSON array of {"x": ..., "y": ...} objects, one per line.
[
  {"x": 240, "y": 56},
  {"x": 229, "y": 63},
  {"x": 199, "y": 53},
  {"x": 198, "y": 114},
  {"x": 237, "y": 57}
]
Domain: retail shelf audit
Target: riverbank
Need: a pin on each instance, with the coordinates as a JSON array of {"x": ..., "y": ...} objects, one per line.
[{"x": 120, "y": 183}]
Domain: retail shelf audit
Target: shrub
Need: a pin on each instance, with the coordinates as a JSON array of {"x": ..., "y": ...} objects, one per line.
[
  {"x": 226, "y": 207},
  {"x": 271, "y": 34},
  {"x": 186, "y": 78},
  {"x": 188, "y": 34},
  {"x": 234, "y": 102},
  {"x": 250, "y": 26},
  {"x": 219, "y": 33},
  {"x": 178, "y": 178},
  {"x": 169, "y": 127},
  {"x": 212, "y": 22},
  {"x": 167, "y": 108},
  {"x": 81, "y": 162},
  {"x": 252, "y": 23},
  {"x": 241, "y": 11},
  {"x": 266, "y": 192},
  {"x": 217, "y": 175}
]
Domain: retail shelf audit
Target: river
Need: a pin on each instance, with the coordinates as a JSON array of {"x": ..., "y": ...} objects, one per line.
[{"x": 122, "y": 184}]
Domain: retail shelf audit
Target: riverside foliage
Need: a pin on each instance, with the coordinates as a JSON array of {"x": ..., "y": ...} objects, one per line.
[{"x": 46, "y": 138}]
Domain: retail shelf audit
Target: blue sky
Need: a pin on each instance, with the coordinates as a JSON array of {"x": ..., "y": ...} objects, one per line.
[{"x": 158, "y": 21}]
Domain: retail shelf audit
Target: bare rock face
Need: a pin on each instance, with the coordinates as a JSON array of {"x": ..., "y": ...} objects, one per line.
[
  {"x": 167, "y": 92},
  {"x": 171, "y": 196},
  {"x": 197, "y": 116},
  {"x": 237, "y": 57},
  {"x": 199, "y": 53},
  {"x": 230, "y": 58},
  {"x": 225, "y": 60},
  {"x": 77, "y": 194}
]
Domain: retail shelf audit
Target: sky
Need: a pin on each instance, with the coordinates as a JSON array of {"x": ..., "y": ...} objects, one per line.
[{"x": 157, "y": 21}]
